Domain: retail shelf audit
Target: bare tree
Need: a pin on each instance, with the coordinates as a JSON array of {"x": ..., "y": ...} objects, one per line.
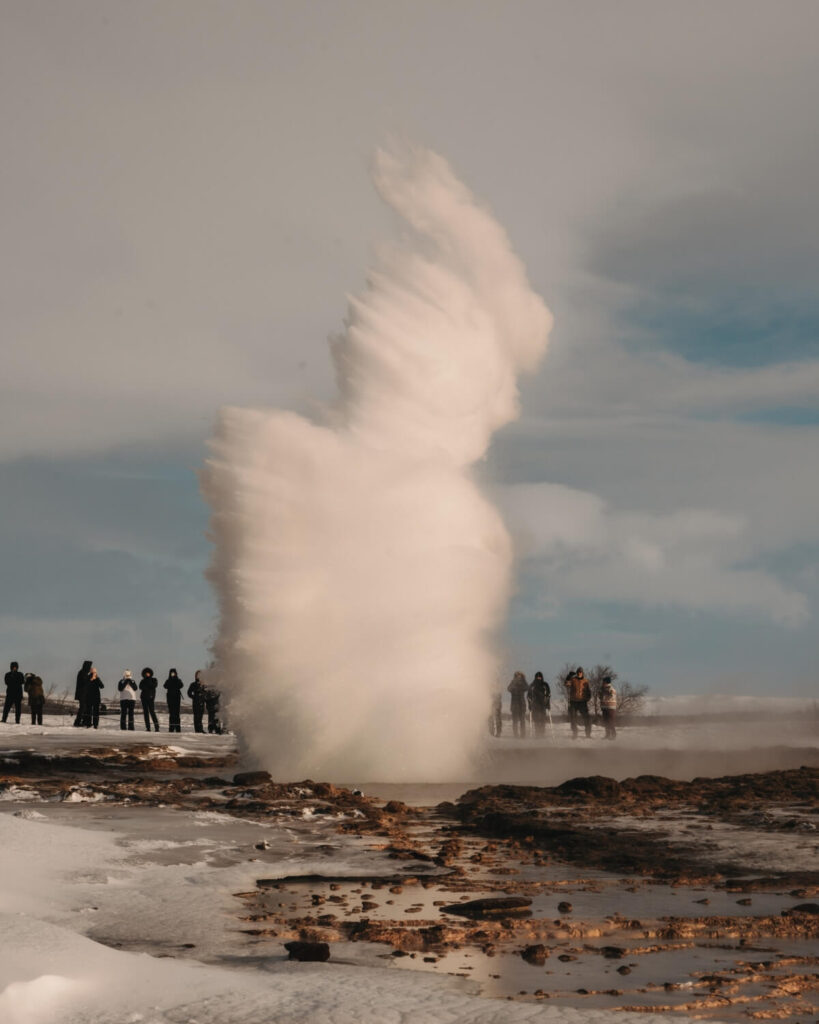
[{"x": 631, "y": 699}]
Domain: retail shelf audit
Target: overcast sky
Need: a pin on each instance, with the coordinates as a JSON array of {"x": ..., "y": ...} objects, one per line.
[{"x": 187, "y": 204}]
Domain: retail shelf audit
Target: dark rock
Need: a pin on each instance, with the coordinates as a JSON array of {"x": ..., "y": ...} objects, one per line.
[
  {"x": 251, "y": 778},
  {"x": 624, "y": 970},
  {"x": 395, "y": 807},
  {"x": 536, "y": 955},
  {"x": 564, "y": 907},
  {"x": 493, "y": 906},
  {"x": 566, "y": 958},
  {"x": 802, "y": 908},
  {"x": 308, "y": 952},
  {"x": 613, "y": 952},
  {"x": 593, "y": 786}
]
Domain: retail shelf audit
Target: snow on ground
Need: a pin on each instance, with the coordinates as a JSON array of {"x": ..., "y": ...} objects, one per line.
[{"x": 57, "y": 881}]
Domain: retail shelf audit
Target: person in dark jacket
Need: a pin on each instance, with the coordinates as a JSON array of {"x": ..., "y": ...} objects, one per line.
[
  {"x": 127, "y": 699},
  {"x": 579, "y": 693},
  {"x": 212, "y": 696},
  {"x": 196, "y": 692},
  {"x": 95, "y": 684},
  {"x": 518, "y": 688},
  {"x": 81, "y": 694},
  {"x": 540, "y": 702},
  {"x": 14, "y": 692},
  {"x": 36, "y": 697},
  {"x": 147, "y": 689},
  {"x": 173, "y": 684}
]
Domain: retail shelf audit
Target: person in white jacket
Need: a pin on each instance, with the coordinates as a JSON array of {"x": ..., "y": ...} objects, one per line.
[
  {"x": 127, "y": 699},
  {"x": 608, "y": 705}
]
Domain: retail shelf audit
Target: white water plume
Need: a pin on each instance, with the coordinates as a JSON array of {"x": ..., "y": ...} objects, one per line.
[{"x": 360, "y": 572}]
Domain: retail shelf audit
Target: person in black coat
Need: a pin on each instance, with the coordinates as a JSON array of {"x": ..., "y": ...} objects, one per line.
[
  {"x": 14, "y": 692},
  {"x": 196, "y": 692},
  {"x": 93, "y": 697},
  {"x": 540, "y": 701},
  {"x": 147, "y": 689},
  {"x": 173, "y": 684},
  {"x": 81, "y": 694}
]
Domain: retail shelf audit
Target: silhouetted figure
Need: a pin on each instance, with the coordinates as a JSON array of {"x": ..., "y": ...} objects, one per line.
[
  {"x": 173, "y": 684},
  {"x": 147, "y": 689},
  {"x": 36, "y": 697},
  {"x": 196, "y": 692},
  {"x": 81, "y": 694},
  {"x": 579, "y": 692},
  {"x": 127, "y": 700},
  {"x": 518, "y": 688},
  {"x": 608, "y": 705},
  {"x": 212, "y": 696},
  {"x": 95, "y": 684},
  {"x": 540, "y": 702},
  {"x": 14, "y": 692},
  {"x": 496, "y": 714}
]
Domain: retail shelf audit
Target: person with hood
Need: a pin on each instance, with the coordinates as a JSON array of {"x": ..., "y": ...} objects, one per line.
[
  {"x": 608, "y": 705},
  {"x": 81, "y": 694},
  {"x": 95, "y": 684},
  {"x": 147, "y": 688},
  {"x": 127, "y": 699},
  {"x": 14, "y": 692},
  {"x": 196, "y": 692},
  {"x": 173, "y": 684},
  {"x": 540, "y": 702},
  {"x": 518, "y": 688},
  {"x": 212, "y": 696},
  {"x": 36, "y": 697},
  {"x": 579, "y": 693}
]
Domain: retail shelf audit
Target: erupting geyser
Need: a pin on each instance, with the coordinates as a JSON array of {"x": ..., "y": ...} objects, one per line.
[{"x": 361, "y": 574}]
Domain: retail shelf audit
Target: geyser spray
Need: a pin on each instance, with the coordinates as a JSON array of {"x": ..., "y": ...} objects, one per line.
[{"x": 361, "y": 575}]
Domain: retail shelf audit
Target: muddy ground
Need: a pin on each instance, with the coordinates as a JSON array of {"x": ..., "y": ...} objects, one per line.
[{"x": 645, "y": 894}]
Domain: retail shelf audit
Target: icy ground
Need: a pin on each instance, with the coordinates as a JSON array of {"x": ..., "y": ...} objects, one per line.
[{"x": 112, "y": 914}]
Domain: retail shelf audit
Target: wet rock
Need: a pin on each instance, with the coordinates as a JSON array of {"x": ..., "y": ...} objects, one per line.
[
  {"x": 251, "y": 778},
  {"x": 613, "y": 952},
  {"x": 566, "y": 958},
  {"x": 624, "y": 970},
  {"x": 536, "y": 955},
  {"x": 744, "y": 902},
  {"x": 802, "y": 908},
  {"x": 594, "y": 787},
  {"x": 396, "y": 807},
  {"x": 493, "y": 906},
  {"x": 564, "y": 907},
  {"x": 308, "y": 952}
]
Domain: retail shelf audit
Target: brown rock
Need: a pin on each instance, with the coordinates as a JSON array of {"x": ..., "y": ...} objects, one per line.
[
  {"x": 308, "y": 952},
  {"x": 251, "y": 778},
  {"x": 536, "y": 955}
]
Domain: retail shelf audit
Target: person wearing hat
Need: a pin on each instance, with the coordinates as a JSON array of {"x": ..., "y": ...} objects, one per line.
[
  {"x": 608, "y": 705},
  {"x": 127, "y": 700},
  {"x": 147, "y": 690},
  {"x": 173, "y": 684},
  {"x": 579, "y": 693}
]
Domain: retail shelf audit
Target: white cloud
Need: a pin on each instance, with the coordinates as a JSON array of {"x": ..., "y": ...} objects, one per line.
[{"x": 577, "y": 548}]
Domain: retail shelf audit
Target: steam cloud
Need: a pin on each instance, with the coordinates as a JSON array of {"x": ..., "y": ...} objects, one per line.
[{"x": 360, "y": 573}]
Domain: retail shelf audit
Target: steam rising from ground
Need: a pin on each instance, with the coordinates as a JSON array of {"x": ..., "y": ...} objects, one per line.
[{"x": 360, "y": 572}]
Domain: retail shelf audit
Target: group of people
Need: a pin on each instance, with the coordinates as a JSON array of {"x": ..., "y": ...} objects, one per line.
[
  {"x": 16, "y": 684},
  {"x": 203, "y": 699},
  {"x": 535, "y": 699},
  {"x": 88, "y": 694}
]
